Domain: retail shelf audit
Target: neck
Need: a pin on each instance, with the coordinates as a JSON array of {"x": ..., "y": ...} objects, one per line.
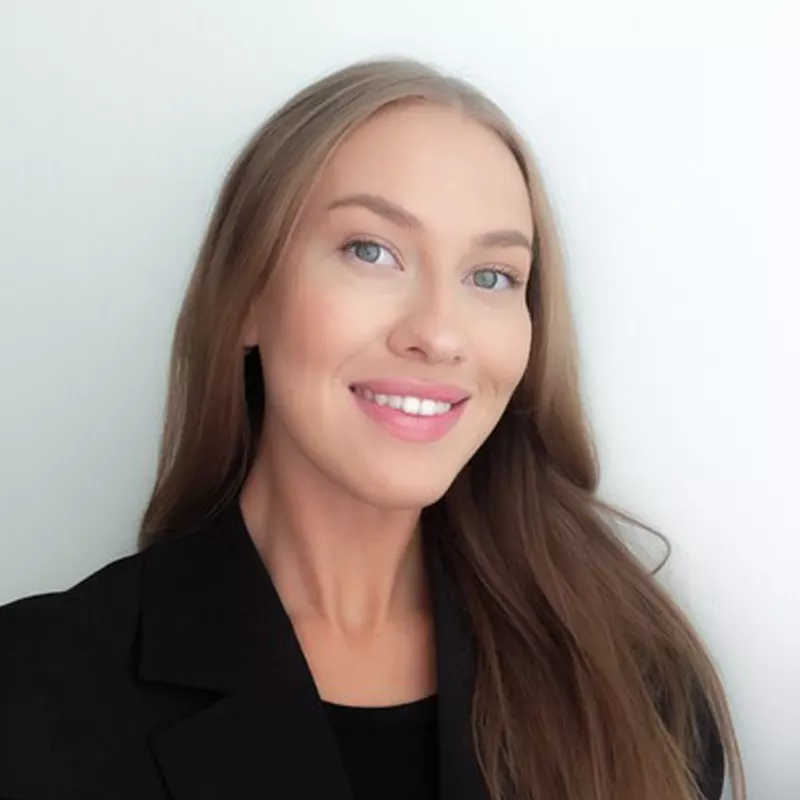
[{"x": 333, "y": 557}]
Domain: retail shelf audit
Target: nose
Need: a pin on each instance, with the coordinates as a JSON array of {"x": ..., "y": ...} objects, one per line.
[{"x": 432, "y": 329}]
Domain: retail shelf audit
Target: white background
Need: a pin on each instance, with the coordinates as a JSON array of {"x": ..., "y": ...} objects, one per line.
[{"x": 668, "y": 133}]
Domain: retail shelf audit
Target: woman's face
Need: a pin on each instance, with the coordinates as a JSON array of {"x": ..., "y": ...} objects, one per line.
[{"x": 396, "y": 329}]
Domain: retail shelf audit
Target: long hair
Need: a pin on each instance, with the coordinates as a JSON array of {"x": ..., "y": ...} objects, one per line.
[{"x": 589, "y": 677}]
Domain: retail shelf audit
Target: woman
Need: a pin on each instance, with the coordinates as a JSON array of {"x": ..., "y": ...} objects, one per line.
[{"x": 374, "y": 564}]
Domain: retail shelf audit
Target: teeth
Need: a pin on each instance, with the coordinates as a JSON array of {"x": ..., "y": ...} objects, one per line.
[
  {"x": 411, "y": 405},
  {"x": 408, "y": 404}
]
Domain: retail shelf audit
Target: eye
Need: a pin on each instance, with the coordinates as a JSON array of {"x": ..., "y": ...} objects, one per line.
[
  {"x": 495, "y": 279},
  {"x": 370, "y": 252}
]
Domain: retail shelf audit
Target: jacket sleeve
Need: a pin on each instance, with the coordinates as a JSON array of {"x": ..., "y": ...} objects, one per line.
[{"x": 26, "y": 753}]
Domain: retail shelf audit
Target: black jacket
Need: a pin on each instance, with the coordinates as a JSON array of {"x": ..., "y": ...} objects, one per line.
[{"x": 175, "y": 673}]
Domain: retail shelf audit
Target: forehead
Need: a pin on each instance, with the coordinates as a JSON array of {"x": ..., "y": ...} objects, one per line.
[{"x": 437, "y": 163}]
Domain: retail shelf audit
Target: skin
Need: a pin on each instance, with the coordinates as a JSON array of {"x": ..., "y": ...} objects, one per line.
[{"x": 333, "y": 501}]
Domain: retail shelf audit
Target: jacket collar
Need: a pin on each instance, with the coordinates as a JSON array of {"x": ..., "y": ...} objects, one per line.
[{"x": 213, "y": 620}]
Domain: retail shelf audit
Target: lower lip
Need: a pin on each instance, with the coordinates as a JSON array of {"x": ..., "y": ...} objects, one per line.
[{"x": 409, "y": 427}]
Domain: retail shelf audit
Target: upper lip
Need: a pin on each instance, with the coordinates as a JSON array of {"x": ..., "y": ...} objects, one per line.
[{"x": 444, "y": 393}]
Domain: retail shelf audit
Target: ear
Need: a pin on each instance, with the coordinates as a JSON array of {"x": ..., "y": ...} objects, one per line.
[{"x": 250, "y": 328}]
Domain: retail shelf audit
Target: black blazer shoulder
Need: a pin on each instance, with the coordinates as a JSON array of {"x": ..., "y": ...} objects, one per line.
[
  {"x": 175, "y": 674},
  {"x": 67, "y": 689},
  {"x": 97, "y": 615}
]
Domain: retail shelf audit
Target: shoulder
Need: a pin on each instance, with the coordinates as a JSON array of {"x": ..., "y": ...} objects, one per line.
[
  {"x": 50, "y": 641},
  {"x": 88, "y": 629},
  {"x": 58, "y": 651},
  {"x": 101, "y": 607}
]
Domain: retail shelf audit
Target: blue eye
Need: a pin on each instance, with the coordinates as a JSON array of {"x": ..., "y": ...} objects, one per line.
[
  {"x": 369, "y": 252},
  {"x": 494, "y": 279}
]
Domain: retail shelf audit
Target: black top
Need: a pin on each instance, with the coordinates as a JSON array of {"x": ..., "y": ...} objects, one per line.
[
  {"x": 176, "y": 674},
  {"x": 389, "y": 752}
]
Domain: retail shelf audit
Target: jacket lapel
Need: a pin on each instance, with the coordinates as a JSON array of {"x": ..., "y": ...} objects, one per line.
[
  {"x": 212, "y": 620},
  {"x": 459, "y": 774}
]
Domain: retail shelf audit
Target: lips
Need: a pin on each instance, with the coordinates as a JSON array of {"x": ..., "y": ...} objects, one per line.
[
  {"x": 443, "y": 393},
  {"x": 411, "y": 411}
]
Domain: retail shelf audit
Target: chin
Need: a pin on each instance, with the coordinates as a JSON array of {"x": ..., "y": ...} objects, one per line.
[{"x": 395, "y": 491}]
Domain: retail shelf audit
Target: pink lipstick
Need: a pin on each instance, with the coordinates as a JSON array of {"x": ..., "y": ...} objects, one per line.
[{"x": 412, "y": 411}]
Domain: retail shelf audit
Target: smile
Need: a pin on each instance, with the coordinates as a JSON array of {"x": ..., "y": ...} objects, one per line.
[
  {"x": 407, "y": 404},
  {"x": 411, "y": 412}
]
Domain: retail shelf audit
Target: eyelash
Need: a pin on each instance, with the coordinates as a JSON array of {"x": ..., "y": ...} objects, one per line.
[{"x": 513, "y": 278}]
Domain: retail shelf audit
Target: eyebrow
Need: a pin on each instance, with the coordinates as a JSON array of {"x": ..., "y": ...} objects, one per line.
[{"x": 405, "y": 219}]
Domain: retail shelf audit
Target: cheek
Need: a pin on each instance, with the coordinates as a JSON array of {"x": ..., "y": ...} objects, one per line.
[
  {"x": 503, "y": 351},
  {"x": 314, "y": 330}
]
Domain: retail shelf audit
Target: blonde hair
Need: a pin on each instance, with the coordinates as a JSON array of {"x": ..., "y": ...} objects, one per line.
[{"x": 591, "y": 682}]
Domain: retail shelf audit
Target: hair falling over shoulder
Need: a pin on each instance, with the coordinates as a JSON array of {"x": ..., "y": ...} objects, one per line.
[{"x": 592, "y": 683}]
